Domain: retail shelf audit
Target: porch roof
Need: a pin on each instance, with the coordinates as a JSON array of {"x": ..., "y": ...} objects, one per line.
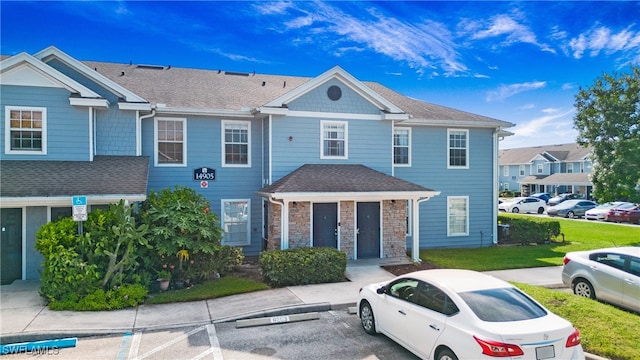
[
  {"x": 576, "y": 179},
  {"x": 104, "y": 180},
  {"x": 343, "y": 180}
]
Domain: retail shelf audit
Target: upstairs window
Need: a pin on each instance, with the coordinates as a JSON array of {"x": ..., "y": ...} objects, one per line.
[
  {"x": 458, "y": 147},
  {"x": 26, "y": 130},
  {"x": 171, "y": 139},
  {"x": 334, "y": 140},
  {"x": 505, "y": 170},
  {"x": 521, "y": 170},
  {"x": 540, "y": 168},
  {"x": 402, "y": 146},
  {"x": 236, "y": 145}
]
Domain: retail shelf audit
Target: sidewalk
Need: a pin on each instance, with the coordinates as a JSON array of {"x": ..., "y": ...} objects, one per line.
[{"x": 24, "y": 317}]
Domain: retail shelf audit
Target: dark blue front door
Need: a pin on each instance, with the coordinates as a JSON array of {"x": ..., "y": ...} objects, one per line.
[
  {"x": 325, "y": 225},
  {"x": 11, "y": 245},
  {"x": 368, "y": 219}
]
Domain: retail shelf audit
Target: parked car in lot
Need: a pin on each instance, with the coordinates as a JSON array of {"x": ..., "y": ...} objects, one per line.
[
  {"x": 523, "y": 205},
  {"x": 447, "y": 314},
  {"x": 628, "y": 212},
  {"x": 571, "y": 208},
  {"x": 598, "y": 212},
  {"x": 563, "y": 197},
  {"x": 611, "y": 275},
  {"x": 542, "y": 196}
]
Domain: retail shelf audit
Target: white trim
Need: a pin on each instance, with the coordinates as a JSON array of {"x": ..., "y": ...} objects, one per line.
[
  {"x": 223, "y": 125},
  {"x": 349, "y": 196},
  {"x": 12, "y": 202},
  {"x": 345, "y": 126},
  {"x": 462, "y": 123},
  {"x": 135, "y": 106},
  {"x": 23, "y": 59},
  {"x": 409, "y": 146},
  {"x": 155, "y": 142},
  {"x": 330, "y": 115},
  {"x": 248, "y": 222},
  {"x": 347, "y": 79},
  {"x": 99, "y": 103},
  {"x": 467, "y": 148},
  {"x": 466, "y": 199},
  {"x": 52, "y": 51},
  {"x": 7, "y": 130}
]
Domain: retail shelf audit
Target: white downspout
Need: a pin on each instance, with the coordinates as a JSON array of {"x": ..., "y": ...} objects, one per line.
[
  {"x": 139, "y": 129},
  {"x": 393, "y": 128},
  {"x": 284, "y": 223},
  {"x": 270, "y": 177},
  {"x": 91, "y": 134},
  {"x": 496, "y": 191}
]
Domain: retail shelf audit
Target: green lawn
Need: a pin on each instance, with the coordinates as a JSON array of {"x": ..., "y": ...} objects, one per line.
[
  {"x": 578, "y": 235},
  {"x": 211, "y": 289}
]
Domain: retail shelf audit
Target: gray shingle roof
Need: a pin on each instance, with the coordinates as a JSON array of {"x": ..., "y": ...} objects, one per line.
[
  {"x": 562, "y": 152},
  {"x": 106, "y": 175},
  {"x": 220, "y": 90},
  {"x": 318, "y": 178}
]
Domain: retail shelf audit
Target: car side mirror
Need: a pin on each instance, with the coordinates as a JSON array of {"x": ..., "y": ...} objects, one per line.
[{"x": 382, "y": 290}]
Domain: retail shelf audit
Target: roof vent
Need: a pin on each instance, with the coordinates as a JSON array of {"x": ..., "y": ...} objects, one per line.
[
  {"x": 153, "y": 67},
  {"x": 236, "y": 73}
]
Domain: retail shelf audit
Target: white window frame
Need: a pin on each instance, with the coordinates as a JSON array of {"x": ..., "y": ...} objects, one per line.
[
  {"x": 224, "y": 222},
  {"x": 8, "y": 128},
  {"x": 505, "y": 170},
  {"x": 224, "y": 125},
  {"x": 156, "y": 140},
  {"x": 540, "y": 168},
  {"x": 394, "y": 146},
  {"x": 345, "y": 126},
  {"x": 466, "y": 148},
  {"x": 522, "y": 170},
  {"x": 450, "y": 200}
]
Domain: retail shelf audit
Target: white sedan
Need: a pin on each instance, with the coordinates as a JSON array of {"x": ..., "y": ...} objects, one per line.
[
  {"x": 447, "y": 314},
  {"x": 523, "y": 205}
]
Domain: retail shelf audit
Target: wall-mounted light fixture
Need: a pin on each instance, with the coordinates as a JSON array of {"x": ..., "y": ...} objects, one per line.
[{"x": 290, "y": 138}]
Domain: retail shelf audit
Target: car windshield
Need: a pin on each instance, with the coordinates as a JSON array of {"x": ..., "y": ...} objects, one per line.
[
  {"x": 626, "y": 206},
  {"x": 500, "y": 305}
]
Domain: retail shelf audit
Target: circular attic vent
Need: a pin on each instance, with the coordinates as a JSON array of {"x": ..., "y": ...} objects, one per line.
[{"x": 334, "y": 93}]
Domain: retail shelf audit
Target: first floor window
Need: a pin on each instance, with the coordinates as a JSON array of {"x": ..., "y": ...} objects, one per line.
[
  {"x": 25, "y": 130},
  {"x": 401, "y": 146},
  {"x": 171, "y": 138},
  {"x": 458, "y": 149},
  {"x": 457, "y": 215},
  {"x": 236, "y": 143},
  {"x": 235, "y": 222},
  {"x": 334, "y": 140}
]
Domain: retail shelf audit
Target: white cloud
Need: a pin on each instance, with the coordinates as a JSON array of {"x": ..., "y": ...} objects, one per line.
[
  {"x": 554, "y": 127},
  {"x": 505, "y": 91},
  {"x": 502, "y": 26},
  {"x": 602, "y": 39}
]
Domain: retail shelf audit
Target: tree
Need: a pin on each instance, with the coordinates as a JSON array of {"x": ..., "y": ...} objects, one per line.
[{"x": 607, "y": 116}]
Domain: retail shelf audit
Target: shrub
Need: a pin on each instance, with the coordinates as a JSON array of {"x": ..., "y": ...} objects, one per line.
[
  {"x": 303, "y": 266},
  {"x": 119, "y": 297},
  {"x": 530, "y": 230}
]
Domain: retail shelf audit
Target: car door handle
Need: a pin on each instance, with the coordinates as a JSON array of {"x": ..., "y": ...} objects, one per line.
[
  {"x": 629, "y": 281},
  {"x": 402, "y": 312},
  {"x": 594, "y": 268},
  {"x": 434, "y": 327}
]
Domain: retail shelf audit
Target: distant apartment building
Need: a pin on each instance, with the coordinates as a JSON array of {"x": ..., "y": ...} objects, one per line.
[{"x": 554, "y": 169}]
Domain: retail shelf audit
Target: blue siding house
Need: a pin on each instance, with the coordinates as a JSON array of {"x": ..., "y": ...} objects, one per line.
[
  {"x": 285, "y": 161},
  {"x": 554, "y": 169}
]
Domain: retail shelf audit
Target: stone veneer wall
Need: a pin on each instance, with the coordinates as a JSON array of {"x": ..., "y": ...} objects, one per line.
[
  {"x": 347, "y": 230},
  {"x": 299, "y": 224},
  {"x": 394, "y": 225},
  {"x": 274, "y": 231}
]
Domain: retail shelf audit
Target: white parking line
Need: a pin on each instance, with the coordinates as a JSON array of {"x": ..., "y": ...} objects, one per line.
[
  {"x": 170, "y": 343},
  {"x": 135, "y": 345},
  {"x": 213, "y": 341}
]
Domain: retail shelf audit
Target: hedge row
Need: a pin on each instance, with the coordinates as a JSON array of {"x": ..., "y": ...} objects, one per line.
[
  {"x": 303, "y": 266},
  {"x": 530, "y": 230}
]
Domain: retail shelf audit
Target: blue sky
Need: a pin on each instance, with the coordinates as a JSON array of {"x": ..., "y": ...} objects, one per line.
[{"x": 521, "y": 62}]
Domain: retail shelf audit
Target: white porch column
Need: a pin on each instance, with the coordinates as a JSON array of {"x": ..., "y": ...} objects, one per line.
[{"x": 415, "y": 231}]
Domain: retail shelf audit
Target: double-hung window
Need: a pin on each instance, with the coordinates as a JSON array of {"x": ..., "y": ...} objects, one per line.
[
  {"x": 235, "y": 222},
  {"x": 334, "y": 140},
  {"x": 25, "y": 130},
  {"x": 171, "y": 141},
  {"x": 458, "y": 146},
  {"x": 402, "y": 146},
  {"x": 457, "y": 215},
  {"x": 236, "y": 147}
]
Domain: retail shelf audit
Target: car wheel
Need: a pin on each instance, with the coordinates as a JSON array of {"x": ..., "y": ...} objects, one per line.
[
  {"x": 571, "y": 215},
  {"x": 515, "y": 210},
  {"x": 446, "y": 354},
  {"x": 540, "y": 210},
  {"x": 366, "y": 318},
  {"x": 582, "y": 287}
]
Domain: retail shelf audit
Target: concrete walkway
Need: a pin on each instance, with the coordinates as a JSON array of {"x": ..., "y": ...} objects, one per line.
[{"x": 24, "y": 316}]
